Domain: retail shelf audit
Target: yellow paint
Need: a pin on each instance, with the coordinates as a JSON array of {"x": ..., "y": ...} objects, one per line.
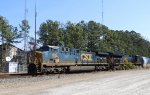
[{"x": 86, "y": 57}]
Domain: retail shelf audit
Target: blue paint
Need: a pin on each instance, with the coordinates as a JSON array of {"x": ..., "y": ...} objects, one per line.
[{"x": 64, "y": 54}]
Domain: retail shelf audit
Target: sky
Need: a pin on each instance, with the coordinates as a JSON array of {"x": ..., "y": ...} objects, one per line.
[{"x": 118, "y": 14}]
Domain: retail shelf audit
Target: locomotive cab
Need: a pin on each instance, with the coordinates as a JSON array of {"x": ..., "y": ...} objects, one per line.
[{"x": 34, "y": 60}]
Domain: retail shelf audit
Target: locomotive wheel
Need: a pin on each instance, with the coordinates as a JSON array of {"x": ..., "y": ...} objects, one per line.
[
  {"x": 44, "y": 71},
  {"x": 68, "y": 69},
  {"x": 63, "y": 70},
  {"x": 97, "y": 68}
]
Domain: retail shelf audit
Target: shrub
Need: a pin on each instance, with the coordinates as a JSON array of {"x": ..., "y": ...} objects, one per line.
[{"x": 128, "y": 65}]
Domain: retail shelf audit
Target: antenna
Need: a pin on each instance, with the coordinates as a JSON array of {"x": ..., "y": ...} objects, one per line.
[
  {"x": 25, "y": 10},
  {"x": 25, "y": 34},
  {"x": 35, "y": 23},
  {"x": 35, "y": 31},
  {"x": 102, "y": 16},
  {"x": 102, "y": 12}
]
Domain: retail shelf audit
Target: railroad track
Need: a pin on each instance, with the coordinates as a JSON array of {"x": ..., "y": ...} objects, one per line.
[{"x": 25, "y": 75}]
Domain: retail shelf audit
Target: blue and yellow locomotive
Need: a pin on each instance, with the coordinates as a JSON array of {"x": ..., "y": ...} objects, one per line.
[
  {"x": 54, "y": 58},
  {"x": 60, "y": 59}
]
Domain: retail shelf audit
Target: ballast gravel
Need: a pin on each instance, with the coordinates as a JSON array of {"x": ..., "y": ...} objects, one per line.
[{"x": 131, "y": 82}]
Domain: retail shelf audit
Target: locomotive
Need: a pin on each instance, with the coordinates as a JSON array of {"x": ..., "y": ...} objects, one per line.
[{"x": 49, "y": 59}]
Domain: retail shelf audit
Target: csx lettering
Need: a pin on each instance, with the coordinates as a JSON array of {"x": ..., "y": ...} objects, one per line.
[{"x": 86, "y": 56}]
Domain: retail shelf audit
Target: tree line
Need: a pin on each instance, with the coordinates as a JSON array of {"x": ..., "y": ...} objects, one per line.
[{"x": 88, "y": 36}]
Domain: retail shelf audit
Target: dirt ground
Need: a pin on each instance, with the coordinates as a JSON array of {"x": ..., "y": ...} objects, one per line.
[{"x": 132, "y": 82}]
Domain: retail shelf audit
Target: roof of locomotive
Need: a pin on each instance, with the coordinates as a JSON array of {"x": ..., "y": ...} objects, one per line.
[
  {"x": 102, "y": 54},
  {"x": 53, "y": 47},
  {"x": 105, "y": 54},
  {"x": 46, "y": 48}
]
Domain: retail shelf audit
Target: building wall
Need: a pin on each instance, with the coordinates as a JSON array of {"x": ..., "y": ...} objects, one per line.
[{"x": 15, "y": 54}]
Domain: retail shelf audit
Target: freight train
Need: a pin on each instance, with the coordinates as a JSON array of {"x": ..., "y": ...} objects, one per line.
[{"x": 49, "y": 59}]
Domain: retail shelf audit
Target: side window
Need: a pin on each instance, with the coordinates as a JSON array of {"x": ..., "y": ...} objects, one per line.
[
  {"x": 67, "y": 52},
  {"x": 63, "y": 49},
  {"x": 67, "y": 49}
]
